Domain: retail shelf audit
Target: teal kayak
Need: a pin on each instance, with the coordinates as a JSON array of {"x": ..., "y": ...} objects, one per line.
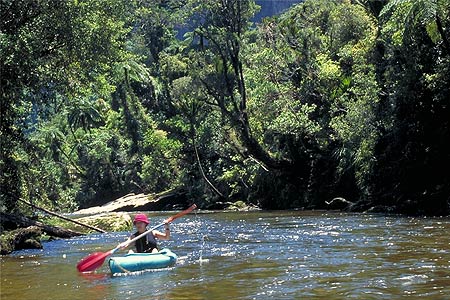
[{"x": 133, "y": 262}]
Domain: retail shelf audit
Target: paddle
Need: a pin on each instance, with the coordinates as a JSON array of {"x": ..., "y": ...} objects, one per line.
[{"x": 95, "y": 260}]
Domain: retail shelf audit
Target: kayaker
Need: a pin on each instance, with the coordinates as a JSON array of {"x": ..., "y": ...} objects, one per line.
[{"x": 147, "y": 244}]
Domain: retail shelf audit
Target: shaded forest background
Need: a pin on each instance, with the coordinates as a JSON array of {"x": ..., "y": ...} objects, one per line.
[{"x": 333, "y": 98}]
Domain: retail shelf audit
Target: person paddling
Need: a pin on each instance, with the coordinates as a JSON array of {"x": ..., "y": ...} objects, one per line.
[{"x": 147, "y": 244}]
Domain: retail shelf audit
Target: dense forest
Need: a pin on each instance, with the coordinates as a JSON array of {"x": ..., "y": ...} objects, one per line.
[{"x": 332, "y": 98}]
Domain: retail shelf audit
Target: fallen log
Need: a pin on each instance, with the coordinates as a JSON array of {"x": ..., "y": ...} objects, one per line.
[
  {"x": 22, "y": 221},
  {"x": 339, "y": 203},
  {"x": 62, "y": 217},
  {"x": 167, "y": 200}
]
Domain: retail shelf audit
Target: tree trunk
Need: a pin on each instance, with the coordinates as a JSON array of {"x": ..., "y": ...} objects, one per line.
[
  {"x": 22, "y": 221},
  {"x": 213, "y": 188},
  {"x": 62, "y": 217},
  {"x": 227, "y": 48},
  {"x": 443, "y": 35}
]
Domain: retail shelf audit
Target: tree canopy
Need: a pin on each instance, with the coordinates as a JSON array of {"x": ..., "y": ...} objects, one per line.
[{"x": 332, "y": 98}]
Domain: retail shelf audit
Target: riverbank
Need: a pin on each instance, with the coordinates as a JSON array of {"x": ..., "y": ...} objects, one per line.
[
  {"x": 18, "y": 232},
  {"x": 17, "y": 236},
  {"x": 168, "y": 200},
  {"x": 29, "y": 233},
  {"x": 116, "y": 216}
]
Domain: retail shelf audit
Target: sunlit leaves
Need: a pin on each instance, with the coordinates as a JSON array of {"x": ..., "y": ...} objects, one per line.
[
  {"x": 159, "y": 163},
  {"x": 135, "y": 71},
  {"x": 83, "y": 114},
  {"x": 407, "y": 14},
  {"x": 294, "y": 119},
  {"x": 349, "y": 25}
]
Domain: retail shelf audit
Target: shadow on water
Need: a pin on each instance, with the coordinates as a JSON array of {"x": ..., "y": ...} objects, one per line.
[{"x": 257, "y": 255}]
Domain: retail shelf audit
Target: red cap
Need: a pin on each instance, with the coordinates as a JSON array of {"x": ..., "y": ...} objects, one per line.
[{"x": 141, "y": 218}]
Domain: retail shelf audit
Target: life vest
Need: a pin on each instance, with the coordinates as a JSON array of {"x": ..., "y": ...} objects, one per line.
[{"x": 146, "y": 243}]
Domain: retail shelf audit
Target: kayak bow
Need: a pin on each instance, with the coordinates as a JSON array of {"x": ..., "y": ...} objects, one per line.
[{"x": 133, "y": 262}]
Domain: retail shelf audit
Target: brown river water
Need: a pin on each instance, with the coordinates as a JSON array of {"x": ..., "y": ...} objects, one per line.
[{"x": 254, "y": 255}]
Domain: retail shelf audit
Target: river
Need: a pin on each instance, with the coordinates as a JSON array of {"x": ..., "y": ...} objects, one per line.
[{"x": 254, "y": 255}]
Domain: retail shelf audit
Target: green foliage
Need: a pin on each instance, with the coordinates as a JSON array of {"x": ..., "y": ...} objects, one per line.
[
  {"x": 331, "y": 98},
  {"x": 413, "y": 14},
  {"x": 159, "y": 166}
]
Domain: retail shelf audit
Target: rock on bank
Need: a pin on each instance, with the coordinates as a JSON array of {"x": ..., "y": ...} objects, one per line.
[{"x": 169, "y": 200}]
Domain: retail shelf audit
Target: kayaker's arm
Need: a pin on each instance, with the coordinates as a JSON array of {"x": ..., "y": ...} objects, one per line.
[{"x": 163, "y": 236}]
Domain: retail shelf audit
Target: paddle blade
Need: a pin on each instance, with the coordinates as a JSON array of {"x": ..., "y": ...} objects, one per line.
[
  {"x": 180, "y": 214},
  {"x": 92, "y": 261}
]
